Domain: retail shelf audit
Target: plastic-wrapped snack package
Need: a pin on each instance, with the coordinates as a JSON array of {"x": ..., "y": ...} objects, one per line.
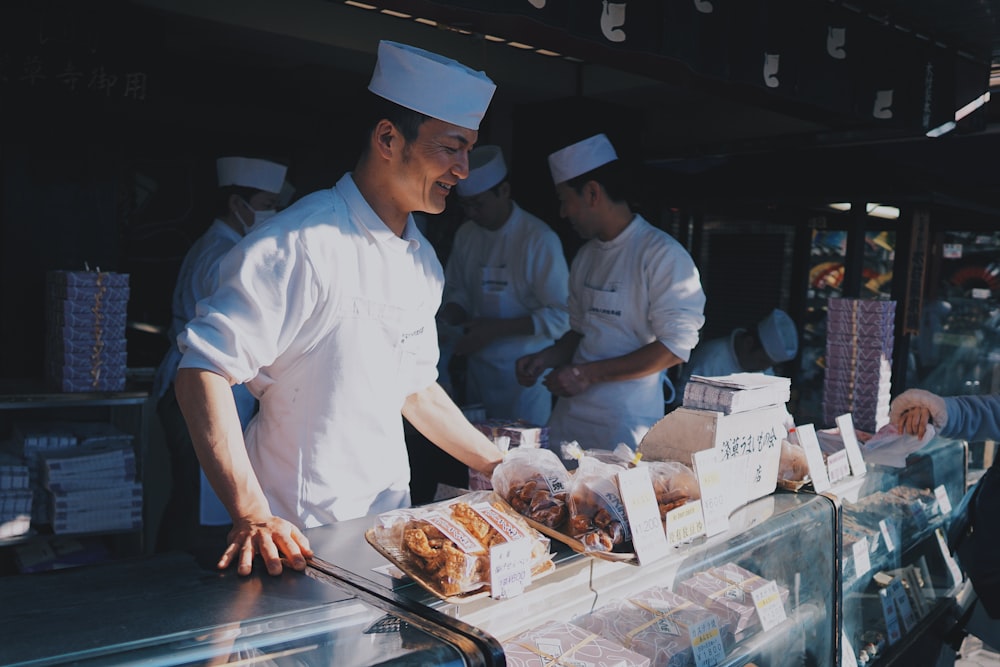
[
  {"x": 596, "y": 511},
  {"x": 727, "y": 601},
  {"x": 673, "y": 483},
  {"x": 535, "y": 483},
  {"x": 746, "y": 580},
  {"x": 555, "y": 644},
  {"x": 622, "y": 455},
  {"x": 446, "y": 545},
  {"x": 792, "y": 466},
  {"x": 655, "y": 623}
]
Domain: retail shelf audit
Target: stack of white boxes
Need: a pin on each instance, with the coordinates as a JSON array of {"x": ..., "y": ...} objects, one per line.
[
  {"x": 86, "y": 322},
  {"x": 859, "y": 361}
]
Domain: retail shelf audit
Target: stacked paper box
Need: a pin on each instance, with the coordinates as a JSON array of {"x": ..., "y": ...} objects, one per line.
[
  {"x": 82, "y": 476},
  {"x": 858, "y": 361},
  {"x": 737, "y": 392},
  {"x": 85, "y": 322},
  {"x": 15, "y": 498}
]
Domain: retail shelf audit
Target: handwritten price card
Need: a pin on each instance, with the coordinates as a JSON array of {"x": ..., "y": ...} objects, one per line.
[{"x": 648, "y": 537}]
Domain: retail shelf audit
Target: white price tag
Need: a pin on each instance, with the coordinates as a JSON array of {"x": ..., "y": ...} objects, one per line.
[
  {"x": 944, "y": 503},
  {"x": 845, "y": 423},
  {"x": 767, "y": 600},
  {"x": 648, "y": 538},
  {"x": 510, "y": 568},
  {"x": 814, "y": 457},
  {"x": 837, "y": 466},
  {"x": 862, "y": 563},
  {"x": 891, "y": 617},
  {"x": 902, "y": 602},
  {"x": 888, "y": 528},
  {"x": 685, "y": 523},
  {"x": 706, "y": 642},
  {"x": 713, "y": 482}
]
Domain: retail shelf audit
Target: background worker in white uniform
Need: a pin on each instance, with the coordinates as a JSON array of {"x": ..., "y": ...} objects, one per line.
[
  {"x": 774, "y": 340},
  {"x": 248, "y": 192},
  {"x": 506, "y": 285},
  {"x": 635, "y": 307},
  {"x": 327, "y": 313}
]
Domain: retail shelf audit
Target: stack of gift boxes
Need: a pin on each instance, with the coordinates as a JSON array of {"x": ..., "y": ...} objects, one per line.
[
  {"x": 859, "y": 361},
  {"x": 86, "y": 320}
]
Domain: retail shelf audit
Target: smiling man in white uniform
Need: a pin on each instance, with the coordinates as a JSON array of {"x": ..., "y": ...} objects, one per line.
[
  {"x": 506, "y": 284},
  {"x": 635, "y": 307},
  {"x": 327, "y": 313},
  {"x": 248, "y": 191}
]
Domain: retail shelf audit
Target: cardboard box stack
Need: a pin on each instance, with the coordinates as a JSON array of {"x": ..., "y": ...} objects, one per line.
[
  {"x": 85, "y": 323},
  {"x": 859, "y": 361}
]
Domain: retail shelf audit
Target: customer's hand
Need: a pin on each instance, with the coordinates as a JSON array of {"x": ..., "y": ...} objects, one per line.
[{"x": 914, "y": 408}]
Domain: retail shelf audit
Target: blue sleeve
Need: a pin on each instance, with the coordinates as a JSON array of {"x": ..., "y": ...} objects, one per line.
[{"x": 973, "y": 418}]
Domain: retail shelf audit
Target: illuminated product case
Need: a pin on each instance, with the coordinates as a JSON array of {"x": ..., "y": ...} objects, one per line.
[
  {"x": 894, "y": 530},
  {"x": 351, "y": 607}
]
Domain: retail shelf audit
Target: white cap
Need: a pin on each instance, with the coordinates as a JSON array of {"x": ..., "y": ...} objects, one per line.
[
  {"x": 486, "y": 169},
  {"x": 250, "y": 173},
  {"x": 778, "y": 336},
  {"x": 431, "y": 84},
  {"x": 581, "y": 157}
]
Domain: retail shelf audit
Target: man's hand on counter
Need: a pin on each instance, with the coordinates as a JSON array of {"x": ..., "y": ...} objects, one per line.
[{"x": 274, "y": 538}]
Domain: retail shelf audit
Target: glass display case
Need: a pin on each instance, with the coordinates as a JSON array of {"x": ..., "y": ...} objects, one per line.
[
  {"x": 898, "y": 576},
  {"x": 171, "y": 609},
  {"x": 789, "y": 539}
]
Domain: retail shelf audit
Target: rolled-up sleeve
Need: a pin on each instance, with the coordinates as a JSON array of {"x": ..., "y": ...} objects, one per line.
[
  {"x": 267, "y": 290},
  {"x": 676, "y": 299}
]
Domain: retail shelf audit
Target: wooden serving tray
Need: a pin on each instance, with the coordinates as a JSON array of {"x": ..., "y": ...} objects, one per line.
[{"x": 578, "y": 546}]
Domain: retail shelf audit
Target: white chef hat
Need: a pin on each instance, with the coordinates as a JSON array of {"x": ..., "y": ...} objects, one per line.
[
  {"x": 250, "y": 173},
  {"x": 486, "y": 169},
  {"x": 778, "y": 336},
  {"x": 431, "y": 84},
  {"x": 581, "y": 157}
]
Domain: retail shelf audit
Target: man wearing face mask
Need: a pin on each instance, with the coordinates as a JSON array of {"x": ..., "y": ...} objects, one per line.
[{"x": 248, "y": 193}]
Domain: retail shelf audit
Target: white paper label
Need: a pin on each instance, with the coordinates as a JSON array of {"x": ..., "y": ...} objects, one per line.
[
  {"x": 847, "y": 656},
  {"x": 850, "y": 437},
  {"x": 888, "y": 528},
  {"x": 648, "y": 537},
  {"x": 685, "y": 523},
  {"x": 510, "y": 568},
  {"x": 767, "y": 600},
  {"x": 706, "y": 642},
  {"x": 944, "y": 503},
  {"x": 862, "y": 563},
  {"x": 712, "y": 479},
  {"x": 814, "y": 457},
  {"x": 837, "y": 466}
]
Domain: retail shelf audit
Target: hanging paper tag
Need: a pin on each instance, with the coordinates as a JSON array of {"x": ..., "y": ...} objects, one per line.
[
  {"x": 685, "y": 523},
  {"x": 767, "y": 600},
  {"x": 648, "y": 538},
  {"x": 706, "y": 642}
]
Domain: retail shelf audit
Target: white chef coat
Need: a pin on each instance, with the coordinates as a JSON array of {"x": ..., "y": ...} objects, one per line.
[
  {"x": 199, "y": 277},
  {"x": 515, "y": 271},
  {"x": 640, "y": 287},
  {"x": 328, "y": 316},
  {"x": 712, "y": 358}
]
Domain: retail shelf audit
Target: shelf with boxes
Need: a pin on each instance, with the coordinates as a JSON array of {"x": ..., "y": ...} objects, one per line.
[{"x": 73, "y": 469}]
